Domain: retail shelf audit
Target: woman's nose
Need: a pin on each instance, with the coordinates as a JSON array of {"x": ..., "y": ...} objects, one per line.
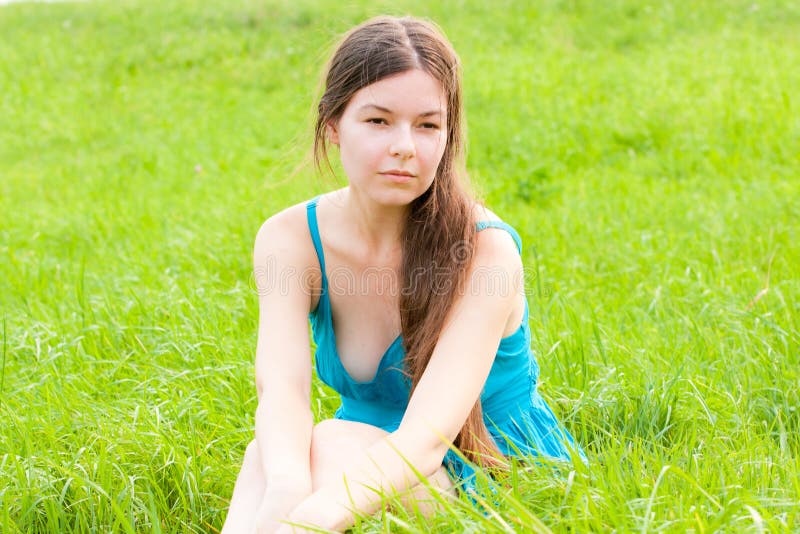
[{"x": 402, "y": 145}]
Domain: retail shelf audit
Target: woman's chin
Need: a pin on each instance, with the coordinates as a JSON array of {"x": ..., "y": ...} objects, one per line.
[{"x": 394, "y": 196}]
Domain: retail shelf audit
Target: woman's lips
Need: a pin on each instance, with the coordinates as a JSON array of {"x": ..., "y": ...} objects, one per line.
[{"x": 398, "y": 178}]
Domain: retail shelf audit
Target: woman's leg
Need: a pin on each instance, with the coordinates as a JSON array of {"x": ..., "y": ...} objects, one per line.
[
  {"x": 247, "y": 493},
  {"x": 336, "y": 444}
]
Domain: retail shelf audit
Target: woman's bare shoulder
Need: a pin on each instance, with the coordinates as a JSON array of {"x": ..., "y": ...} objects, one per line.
[
  {"x": 482, "y": 213},
  {"x": 284, "y": 256},
  {"x": 285, "y": 234},
  {"x": 494, "y": 244}
]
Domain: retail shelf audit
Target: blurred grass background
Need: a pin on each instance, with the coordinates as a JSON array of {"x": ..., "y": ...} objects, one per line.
[{"x": 647, "y": 152}]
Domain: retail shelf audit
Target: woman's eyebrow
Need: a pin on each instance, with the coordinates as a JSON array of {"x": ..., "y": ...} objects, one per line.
[{"x": 386, "y": 110}]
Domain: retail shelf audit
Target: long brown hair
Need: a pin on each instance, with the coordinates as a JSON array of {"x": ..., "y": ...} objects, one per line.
[{"x": 439, "y": 234}]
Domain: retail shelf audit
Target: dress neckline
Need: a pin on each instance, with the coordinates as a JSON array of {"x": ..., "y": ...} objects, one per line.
[
  {"x": 325, "y": 298},
  {"x": 328, "y": 317}
]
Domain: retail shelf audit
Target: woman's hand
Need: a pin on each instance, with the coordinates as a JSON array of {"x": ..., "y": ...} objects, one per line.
[
  {"x": 320, "y": 512},
  {"x": 278, "y": 502}
]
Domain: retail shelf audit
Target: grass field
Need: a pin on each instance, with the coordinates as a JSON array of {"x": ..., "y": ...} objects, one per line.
[{"x": 648, "y": 153}]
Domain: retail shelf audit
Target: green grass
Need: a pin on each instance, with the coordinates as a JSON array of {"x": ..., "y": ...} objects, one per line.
[{"x": 648, "y": 153}]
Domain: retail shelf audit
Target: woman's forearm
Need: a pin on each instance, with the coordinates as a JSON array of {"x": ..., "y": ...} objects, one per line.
[{"x": 283, "y": 431}]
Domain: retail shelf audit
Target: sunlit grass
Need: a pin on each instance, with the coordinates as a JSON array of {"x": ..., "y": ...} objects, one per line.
[{"x": 647, "y": 153}]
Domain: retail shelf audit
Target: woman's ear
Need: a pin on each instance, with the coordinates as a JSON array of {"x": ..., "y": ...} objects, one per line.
[{"x": 333, "y": 134}]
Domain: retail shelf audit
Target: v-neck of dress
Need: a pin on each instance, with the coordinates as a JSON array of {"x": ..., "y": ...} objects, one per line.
[
  {"x": 324, "y": 298},
  {"x": 329, "y": 320}
]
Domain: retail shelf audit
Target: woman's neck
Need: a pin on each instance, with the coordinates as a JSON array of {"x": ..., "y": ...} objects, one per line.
[{"x": 378, "y": 227}]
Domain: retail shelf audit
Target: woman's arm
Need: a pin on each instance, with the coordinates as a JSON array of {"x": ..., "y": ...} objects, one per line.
[
  {"x": 444, "y": 397},
  {"x": 283, "y": 358}
]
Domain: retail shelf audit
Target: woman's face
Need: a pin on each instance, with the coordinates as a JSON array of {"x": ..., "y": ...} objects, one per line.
[{"x": 392, "y": 135}]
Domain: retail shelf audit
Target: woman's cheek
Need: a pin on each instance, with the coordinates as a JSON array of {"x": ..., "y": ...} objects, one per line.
[
  {"x": 429, "y": 145},
  {"x": 435, "y": 149}
]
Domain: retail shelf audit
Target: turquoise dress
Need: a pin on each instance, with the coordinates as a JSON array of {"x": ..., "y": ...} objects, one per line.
[{"x": 517, "y": 417}]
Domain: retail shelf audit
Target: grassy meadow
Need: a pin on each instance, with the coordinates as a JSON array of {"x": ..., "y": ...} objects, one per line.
[{"x": 647, "y": 152}]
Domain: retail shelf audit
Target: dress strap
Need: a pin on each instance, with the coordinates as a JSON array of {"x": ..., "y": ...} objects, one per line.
[
  {"x": 313, "y": 228},
  {"x": 482, "y": 225}
]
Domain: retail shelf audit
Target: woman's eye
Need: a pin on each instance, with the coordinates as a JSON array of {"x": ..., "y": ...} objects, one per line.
[
  {"x": 376, "y": 121},
  {"x": 430, "y": 126}
]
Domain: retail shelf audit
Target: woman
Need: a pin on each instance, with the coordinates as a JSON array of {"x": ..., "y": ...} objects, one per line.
[{"x": 419, "y": 316}]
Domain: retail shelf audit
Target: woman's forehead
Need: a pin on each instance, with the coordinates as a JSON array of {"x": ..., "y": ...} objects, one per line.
[{"x": 411, "y": 92}]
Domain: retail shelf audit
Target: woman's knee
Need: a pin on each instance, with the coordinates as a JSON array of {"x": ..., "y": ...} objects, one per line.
[
  {"x": 339, "y": 436},
  {"x": 335, "y": 444},
  {"x": 251, "y": 453},
  {"x": 252, "y": 468},
  {"x": 328, "y": 438}
]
